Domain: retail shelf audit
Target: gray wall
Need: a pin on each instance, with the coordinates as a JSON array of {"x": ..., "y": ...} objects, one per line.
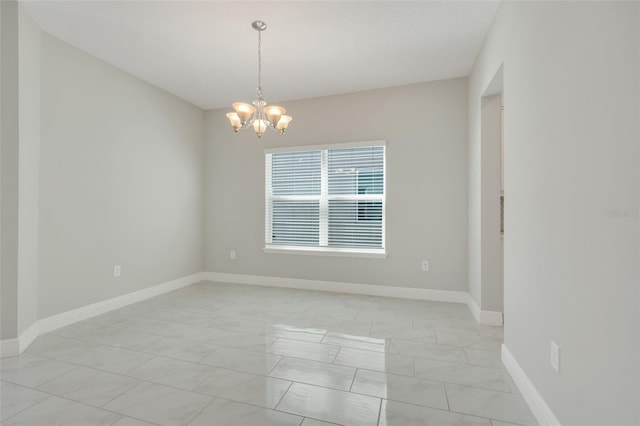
[
  {"x": 425, "y": 129},
  {"x": 20, "y": 152},
  {"x": 571, "y": 77},
  {"x": 9, "y": 169},
  {"x": 29, "y": 65},
  {"x": 121, "y": 182}
]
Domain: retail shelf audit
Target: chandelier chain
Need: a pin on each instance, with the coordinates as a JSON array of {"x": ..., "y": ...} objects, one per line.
[{"x": 259, "y": 63}]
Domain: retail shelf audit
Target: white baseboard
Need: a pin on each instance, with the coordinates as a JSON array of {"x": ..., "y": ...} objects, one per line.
[
  {"x": 28, "y": 336},
  {"x": 13, "y": 347},
  {"x": 71, "y": 317},
  {"x": 484, "y": 317},
  {"x": 536, "y": 403},
  {"x": 9, "y": 347},
  {"x": 340, "y": 287}
]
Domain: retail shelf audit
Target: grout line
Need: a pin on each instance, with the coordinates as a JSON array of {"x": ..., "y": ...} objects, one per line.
[
  {"x": 201, "y": 411},
  {"x": 127, "y": 389},
  {"x": 283, "y": 395},
  {"x": 57, "y": 377},
  {"x": 446, "y": 395},
  {"x": 32, "y": 405},
  {"x": 413, "y": 358},
  {"x": 206, "y": 377},
  {"x": 254, "y": 405},
  {"x": 333, "y": 361},
  {"x": 353, "y": 379},
  {"x": 282, "y": 357},
  {"x": 464, "y": 351}
]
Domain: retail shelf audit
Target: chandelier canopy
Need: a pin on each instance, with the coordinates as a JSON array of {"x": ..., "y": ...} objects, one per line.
[{"x": 258, "y": 114}]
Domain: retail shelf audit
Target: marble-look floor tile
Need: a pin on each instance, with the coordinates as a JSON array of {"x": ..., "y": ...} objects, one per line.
[
  {"x": 244, "y": 387},
  {"x": 135, "y": 310},
  {"x": 446, "y": 324},
  {"x": 329, "y": 310},
  {"x": 509, "y": 380},
  {"x": 15, "y": 398},
  {"x": 107, "y": 335},
  {"x": 32, "y": 370},
  {"x": 428, "y": 350},
  {"x": 223, "y": 412},
  {"x": 358, "y": 328},
  {"x": 55, "y": 346},
  {"x": 395, "y": 413},
  {"x": 180, "y": 349},
  {"x": 490, "y": 331},
  {"x": 296, "y": 333},
  {"x": 307, "y": 350},
  {"x": 469, "y": 340},
  {"x": 172, "y": 372},
  {"x": 108, "y": 358},
  {"x": 499, "y": 423},
  {"x": 463, "y": 374},
  {"x": 386, "y": 319},
  {"x": 89, "y": 386},
  {"x": 128, "y": 421},
  {"x": 159, "y": 404},
  {"x": 246, "y": 341},
  {"x": 238, "y": 359},
  {"x": 330, "y": 405},
  {"x": 313, "y": 422},
  {"x": 357, "y": 342},
  {"x": 131, "y": 323},
  {"x": 400, "y": 388},
  {"x": 182, "y": 315},
  {"x": 507, "y": 407},
  {"x": 484, "y": 358},
  {"x": 81, "y": 330},
  {"x": 192, "y": 332},
  {"x": 245, "y": 345},
  {"x": 315, "y": 373},
  {"x": 55, "y": 411},
  {"x": 239, "y": 324},
  {"x": 417, "y": 334},
  {"x": 378, "y": 361},
  {"x": 109, "y": 318}
]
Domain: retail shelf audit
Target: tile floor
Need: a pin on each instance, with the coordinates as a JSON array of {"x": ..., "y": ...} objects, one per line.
[{"x": 222, "y": 354}]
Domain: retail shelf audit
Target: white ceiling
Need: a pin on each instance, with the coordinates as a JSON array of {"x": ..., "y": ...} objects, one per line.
[{"x": 206, "y": 51}]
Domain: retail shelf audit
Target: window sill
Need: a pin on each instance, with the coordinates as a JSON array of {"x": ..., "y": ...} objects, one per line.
[{"x": 322, "y": 251}]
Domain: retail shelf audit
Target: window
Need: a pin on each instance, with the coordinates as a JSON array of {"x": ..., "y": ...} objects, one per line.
[{"x": 328, "y": 199}]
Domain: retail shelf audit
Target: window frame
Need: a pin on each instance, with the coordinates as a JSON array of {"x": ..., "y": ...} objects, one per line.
[{"x": 324, "y": 199}]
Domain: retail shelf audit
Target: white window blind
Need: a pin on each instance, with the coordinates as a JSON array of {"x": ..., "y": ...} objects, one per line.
[{"x": 326, "y": 198}]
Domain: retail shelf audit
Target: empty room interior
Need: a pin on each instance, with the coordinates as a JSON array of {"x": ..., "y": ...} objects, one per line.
[{"x": 320, "y": 212}]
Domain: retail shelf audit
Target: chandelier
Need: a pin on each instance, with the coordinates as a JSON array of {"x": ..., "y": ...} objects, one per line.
[{"x": 258, "y": 114}]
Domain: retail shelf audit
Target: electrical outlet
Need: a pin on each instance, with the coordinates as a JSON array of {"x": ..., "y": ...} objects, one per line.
[
  {"x": 117, "y": 271},
  {"x": 425, "y": 265},
  {"x": 232, "y": 254},
  {"x": 555, "y": 356}
]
